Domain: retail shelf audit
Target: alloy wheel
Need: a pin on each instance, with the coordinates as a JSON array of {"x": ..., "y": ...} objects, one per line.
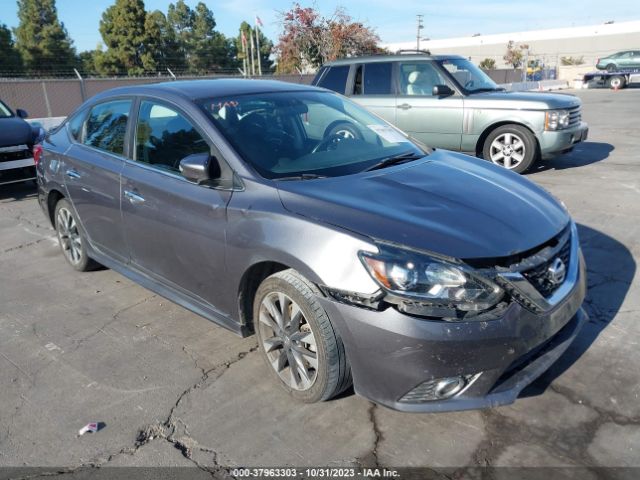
[
  {"x": 507, "y": 150},
  {"x": 69, "y": 236},
  {"x": 288, "y": 341}
]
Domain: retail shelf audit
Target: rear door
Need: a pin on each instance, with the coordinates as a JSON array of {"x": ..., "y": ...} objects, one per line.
[
  {"x": 436, "y": 121},
  {"x": 175, "y": 229},
  {"x": 372, "y": 86},
  {"x": 92, "y": 168}
]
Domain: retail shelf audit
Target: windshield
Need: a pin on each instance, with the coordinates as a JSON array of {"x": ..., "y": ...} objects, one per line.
[
  {"x": 4, "y": 111},
  {"x": 468, "y": 75},
  {"x": 305, "y": 134}
]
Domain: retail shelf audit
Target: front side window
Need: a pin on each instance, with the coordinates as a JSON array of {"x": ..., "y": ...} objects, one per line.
[
  {"x": 335, "y": 79},
  {"x": 164, "y": 137},
  {"x": 288, "y": 134},
  {"x": 106, "y": 126},
  {"x": 469, "y": 76},
  {"x": 419, "y": 78},
  {"x": 373, "y": 79}
]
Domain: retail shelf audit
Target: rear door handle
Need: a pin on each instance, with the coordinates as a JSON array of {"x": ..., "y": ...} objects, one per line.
[
  {"x": 71, "y": 173},
  {"x": 404, "y": 106},
  {"x": 133, "y": 197}
]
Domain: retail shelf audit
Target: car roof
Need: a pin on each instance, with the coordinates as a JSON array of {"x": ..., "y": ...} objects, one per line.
[
  {"x": 218, "y": 87},
  {"x": 392, "y": 58}
]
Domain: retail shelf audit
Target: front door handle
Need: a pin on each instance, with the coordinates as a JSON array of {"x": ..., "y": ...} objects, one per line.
[
  {"x": 71, "y": 173},
  {"x": 133, "y": 197},
  {"x": 404, "y": 106}
]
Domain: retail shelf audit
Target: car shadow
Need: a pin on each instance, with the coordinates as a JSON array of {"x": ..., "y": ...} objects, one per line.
[
  {"x": 610, "y": 271},
  {"x": 583, "y": 154},
  {"x": 18, "y": 191}
]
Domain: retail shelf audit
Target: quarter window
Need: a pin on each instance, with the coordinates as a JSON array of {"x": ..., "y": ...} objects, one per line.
[
  {"x": 75, "y": 125},
  {"x": 164, "y": 137},
  {"x": 335, "y": 79},
  {"x": 107, "y": 126}
]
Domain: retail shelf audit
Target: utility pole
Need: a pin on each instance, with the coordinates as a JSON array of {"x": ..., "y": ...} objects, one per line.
[{"x": 420, "y": 27}]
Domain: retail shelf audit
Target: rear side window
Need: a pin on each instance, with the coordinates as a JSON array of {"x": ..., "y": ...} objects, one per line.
[
  {"x": 373, "y": 79},
  {"x": 164, "y": 137},
  {"x": 335, "y": 79},
  {"x": 76, "y": 124},
  {"x": 107, "y": 126}
]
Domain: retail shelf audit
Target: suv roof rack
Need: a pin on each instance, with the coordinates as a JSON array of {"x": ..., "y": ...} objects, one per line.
[{"x": 413, "y": 51}]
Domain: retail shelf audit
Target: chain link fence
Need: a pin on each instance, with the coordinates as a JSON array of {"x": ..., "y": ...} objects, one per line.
[{"x": 45, "y": 98}]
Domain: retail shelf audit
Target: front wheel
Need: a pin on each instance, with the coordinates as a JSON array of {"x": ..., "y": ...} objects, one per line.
[
  {"x": 617, "y": 82},
  {"x": 511, "y": 146},
  {"x": 71, "y": 239},
  {"x": 298, "y": 342}
]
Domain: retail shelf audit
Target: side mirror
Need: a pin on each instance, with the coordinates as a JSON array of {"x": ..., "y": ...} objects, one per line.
[
  {"x": 442, "y": 91},
  {"x": 21, "y": 113},
  {"x": 199, "y": 167}
]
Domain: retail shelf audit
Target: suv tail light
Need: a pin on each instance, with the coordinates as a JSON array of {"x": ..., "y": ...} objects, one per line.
[{"x": 37, "y": 154}]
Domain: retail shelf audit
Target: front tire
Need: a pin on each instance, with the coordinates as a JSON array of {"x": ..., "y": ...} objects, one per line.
[
  {"x": 72, "y": 241},
  {"x": 617, "y": 82},
  {"x": 301, "y": 348},
  {"x": 511, "y": 146}
]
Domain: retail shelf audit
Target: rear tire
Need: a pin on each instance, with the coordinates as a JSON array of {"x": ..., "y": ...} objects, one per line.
[
  {"x": 72, "y": 241},
  {"x": 294, "y": 329},
  {"x": 611, "y": 67},
  {"x": 512, "y": 147},
  {"x": 617, "y": 82}
]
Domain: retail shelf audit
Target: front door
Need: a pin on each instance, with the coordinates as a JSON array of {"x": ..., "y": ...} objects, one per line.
[
  {"x": 175, "y": 229},
  {"x": 92, "y": 174},
  {"x": 435, "y": 121}
]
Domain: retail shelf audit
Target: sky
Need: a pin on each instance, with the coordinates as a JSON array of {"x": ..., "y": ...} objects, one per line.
[{"x": 393, "y": 20}]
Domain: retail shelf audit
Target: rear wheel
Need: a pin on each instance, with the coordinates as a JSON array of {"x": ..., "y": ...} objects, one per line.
[
  {"x": 617, "y": 82},
  {"x": 298, "y": 342},
  {"x": 512, "y": 147},
  {"x": 611, "y": 67},
  {"x": 71, "y": 239}
]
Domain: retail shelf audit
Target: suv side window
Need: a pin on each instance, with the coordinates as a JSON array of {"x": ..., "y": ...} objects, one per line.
[
  {"x": 164, "y": 137},
  {"x": 419, "y": 78},
  {"x": 107, "y": 126},
  {"x": 335, "y": 79},
  {"x": 373, "y": 79}
]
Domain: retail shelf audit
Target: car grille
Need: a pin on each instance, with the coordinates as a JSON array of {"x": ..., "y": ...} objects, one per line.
[
  {"x": 538, "y": 277},
  {"x": 575, "y": 116},
  {"x": 17, "y": 152}
]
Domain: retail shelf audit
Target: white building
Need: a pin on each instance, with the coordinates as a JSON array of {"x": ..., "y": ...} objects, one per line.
[{"x": 590, "y": 42}]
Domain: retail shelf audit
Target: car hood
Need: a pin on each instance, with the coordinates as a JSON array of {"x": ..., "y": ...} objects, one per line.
[
  {"x": 447, "y": 203},
  {"x": 522, "y": 100},
  {"x": 15, "y": 131}
]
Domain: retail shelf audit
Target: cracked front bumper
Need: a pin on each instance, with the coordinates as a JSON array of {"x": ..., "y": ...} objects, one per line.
[{"x": 391, "y": 353}]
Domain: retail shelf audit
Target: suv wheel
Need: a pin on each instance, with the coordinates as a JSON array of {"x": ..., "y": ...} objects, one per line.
[
  {"x": 512, "y": 147},
  {"x": 300, "y": 346},
  {"x": 72, "y": 242}
]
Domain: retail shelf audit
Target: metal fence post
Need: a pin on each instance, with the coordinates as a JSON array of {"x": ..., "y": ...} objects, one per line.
[
  {"x": 46, "y": 98},
  {"x": 83, "y": 91}
]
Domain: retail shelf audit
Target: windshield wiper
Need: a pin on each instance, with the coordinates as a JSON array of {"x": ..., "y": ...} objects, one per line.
[
  {"x": 302, "y": 176},
  {"x": 487, "y": 89},
  {"x": 403, "y": 157}
]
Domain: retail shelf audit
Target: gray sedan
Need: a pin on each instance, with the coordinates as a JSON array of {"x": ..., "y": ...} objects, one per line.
[{"x": 430, "y": 280}]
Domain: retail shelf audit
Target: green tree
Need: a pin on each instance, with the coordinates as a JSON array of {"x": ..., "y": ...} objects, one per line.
[
  {"x": 87, "y": 62},
  {"x": 209, "y": 49},
  {"x": 180, "y": 18},
  {"x": 123, "y": 30},
  {"x": 162, "y": 46},
  {"x": 42, "y": 40},
  {"x": 488, "y": 64},
  {"x": 10, "y": 60}
]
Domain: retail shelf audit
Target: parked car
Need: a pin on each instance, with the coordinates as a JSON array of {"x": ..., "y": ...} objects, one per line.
[
  {"x": 448, "y": 102},
  {"x": 619, "y": 61},
  {"x": 18, "y": 146},
  {"x": 435, "y": 281}
]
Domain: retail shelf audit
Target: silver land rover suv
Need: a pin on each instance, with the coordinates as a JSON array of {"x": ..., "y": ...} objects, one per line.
[{"x": 447, "y": 102}]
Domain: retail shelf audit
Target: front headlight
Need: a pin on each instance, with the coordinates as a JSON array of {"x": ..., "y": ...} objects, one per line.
[
  {"x": 409, "y": 276},
  {"x": 556, "y": 119}
]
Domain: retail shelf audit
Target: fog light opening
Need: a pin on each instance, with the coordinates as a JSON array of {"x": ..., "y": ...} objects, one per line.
[{"x": 448, "y": 387}]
